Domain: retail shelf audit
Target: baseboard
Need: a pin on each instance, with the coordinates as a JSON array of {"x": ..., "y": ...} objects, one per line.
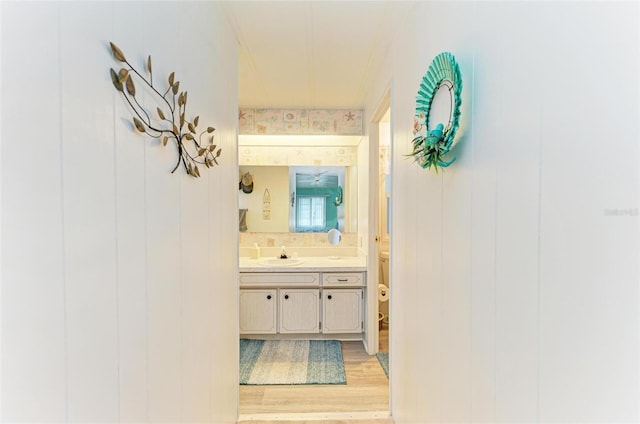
[
  {"x": 343, "y": 337},
  {"x": 382, "y": 416}
]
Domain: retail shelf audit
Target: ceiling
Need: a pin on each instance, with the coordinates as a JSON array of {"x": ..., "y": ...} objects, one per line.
[{"x": 311, "y": 54}]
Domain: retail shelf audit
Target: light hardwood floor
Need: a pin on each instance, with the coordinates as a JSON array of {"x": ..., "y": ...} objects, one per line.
[
  {"x": 367, "y": 389},
  {"x": 324, "y": 421}
]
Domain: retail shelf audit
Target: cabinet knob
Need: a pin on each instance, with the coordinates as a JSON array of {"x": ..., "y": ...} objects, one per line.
[
  {"x": 286, "y": 296},
  {"x": 329, "y": 297},
  {"x": 269, "y": 296}
]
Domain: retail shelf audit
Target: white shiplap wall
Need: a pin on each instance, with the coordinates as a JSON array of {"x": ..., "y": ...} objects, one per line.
[
  {"x": 515, "y": 290},
  {"x": 118, "y": 278}
]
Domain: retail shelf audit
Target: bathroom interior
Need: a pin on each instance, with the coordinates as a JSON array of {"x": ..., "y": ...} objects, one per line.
[{"x": 279, "y": 174}]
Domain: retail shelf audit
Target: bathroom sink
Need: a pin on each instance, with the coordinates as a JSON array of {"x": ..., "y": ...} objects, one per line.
[{"x": 279, "y": 262}]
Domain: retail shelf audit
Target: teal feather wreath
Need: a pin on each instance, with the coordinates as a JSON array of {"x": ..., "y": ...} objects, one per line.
[{"x": 431, "y": 144}]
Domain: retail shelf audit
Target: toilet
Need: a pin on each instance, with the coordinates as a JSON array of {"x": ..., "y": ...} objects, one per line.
[{"x": 383, "y": 286}]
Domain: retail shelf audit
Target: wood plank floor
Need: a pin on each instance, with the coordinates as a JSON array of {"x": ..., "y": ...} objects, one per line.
[
  {"x": 324, "y": 421},
  {"x": 367, "y": 389}
]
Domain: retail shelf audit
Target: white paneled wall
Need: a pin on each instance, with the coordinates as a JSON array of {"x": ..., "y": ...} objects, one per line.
[
  {"x": 33, "y": 305},
  {"x": 516, "y": 286},
  {"x": 118, "y": 278},
  {"x": 131, "y": 228},
  {"x": 89, "y": 221}
]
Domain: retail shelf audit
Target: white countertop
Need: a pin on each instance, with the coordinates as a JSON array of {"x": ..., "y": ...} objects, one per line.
[{"x": 308, "y": 264}]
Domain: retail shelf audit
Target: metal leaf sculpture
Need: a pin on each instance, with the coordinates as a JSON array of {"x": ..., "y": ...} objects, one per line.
[{"x": 171, "y": 124}]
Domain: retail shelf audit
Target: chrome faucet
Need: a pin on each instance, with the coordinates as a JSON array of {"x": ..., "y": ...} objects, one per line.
[{"x": 283, "y": 253}]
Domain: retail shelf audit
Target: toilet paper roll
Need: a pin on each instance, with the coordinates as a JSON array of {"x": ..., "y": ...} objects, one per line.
[{"x": 383, "y": 293}]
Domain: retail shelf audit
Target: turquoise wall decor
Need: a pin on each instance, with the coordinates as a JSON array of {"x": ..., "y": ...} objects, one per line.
[{"x": 430, "y": 144}]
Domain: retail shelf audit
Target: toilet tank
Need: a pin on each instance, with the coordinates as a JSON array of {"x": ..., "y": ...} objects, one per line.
[{"x": 384, "y": 268}]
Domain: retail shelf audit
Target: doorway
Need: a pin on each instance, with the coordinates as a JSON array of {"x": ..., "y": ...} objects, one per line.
[
  {"x": 382, "y": 225},
  {"x": 380, "y": 174},
  {"x": 366, "y": 393}
]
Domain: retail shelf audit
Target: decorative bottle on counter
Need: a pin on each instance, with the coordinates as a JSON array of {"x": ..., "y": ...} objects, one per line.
[{"x": 255, "y": 251}]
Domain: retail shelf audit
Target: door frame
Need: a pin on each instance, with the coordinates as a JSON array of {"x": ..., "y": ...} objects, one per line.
[{"x": 374, "y": 219}]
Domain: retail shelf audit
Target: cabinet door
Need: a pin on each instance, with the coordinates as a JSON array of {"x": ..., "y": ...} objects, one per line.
[
  {"x": 299, "y": 310},
  {"x": 342, "y": 311},
  {"x": 258, "y": 311}
]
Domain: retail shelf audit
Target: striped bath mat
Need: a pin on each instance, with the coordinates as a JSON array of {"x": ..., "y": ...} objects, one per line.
[
  {"x": 383, "y": 358},
  {"x": 291, "y": 362}
]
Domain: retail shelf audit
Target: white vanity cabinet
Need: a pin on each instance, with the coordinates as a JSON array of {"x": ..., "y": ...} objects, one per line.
[
  {"x": 289, "y": 303},
  {"x": 313, "y": 304},
  {"x": 258, "y": 311},
  {"x": 342, "y": 311},
  {"x": 299, "y": 311},
  {"x": 343, "y": 279},
  {"x": 342, "y": 302}
]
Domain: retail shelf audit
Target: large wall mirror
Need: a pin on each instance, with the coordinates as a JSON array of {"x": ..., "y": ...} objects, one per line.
[
  {"x": 298, "y": 184},
  {"x": 299, "y": 199}
]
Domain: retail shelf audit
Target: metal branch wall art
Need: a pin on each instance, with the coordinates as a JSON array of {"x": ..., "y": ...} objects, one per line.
[{"x": 169, "y": 122}]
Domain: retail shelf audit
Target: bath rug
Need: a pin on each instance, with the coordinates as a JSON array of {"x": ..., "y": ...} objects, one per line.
[
  {"x": 383, "y": 358},
  {"x": 266, "y": 362}
]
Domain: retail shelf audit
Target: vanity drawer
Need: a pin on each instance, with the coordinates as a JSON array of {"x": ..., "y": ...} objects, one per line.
[
  {"x": 287, "y": 279},
  {"x": 337, "y": 279}
]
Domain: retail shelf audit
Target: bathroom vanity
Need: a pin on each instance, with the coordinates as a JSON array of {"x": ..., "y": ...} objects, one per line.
[{"x": 313, "y": 297}]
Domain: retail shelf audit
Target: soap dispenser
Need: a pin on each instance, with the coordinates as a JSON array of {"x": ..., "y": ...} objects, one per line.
[{"x": 255, "y": 251}]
